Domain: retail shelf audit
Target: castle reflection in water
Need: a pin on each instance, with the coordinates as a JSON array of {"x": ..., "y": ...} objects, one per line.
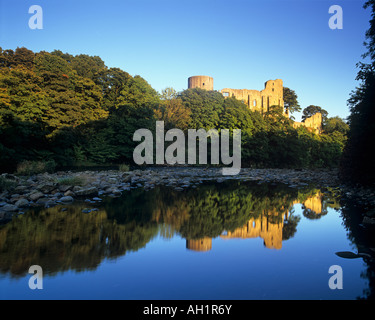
[{"x": 262, "y": 227}]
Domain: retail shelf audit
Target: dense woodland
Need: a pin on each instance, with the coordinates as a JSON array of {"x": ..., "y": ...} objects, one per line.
[
  {"x": 357, "y": 163},
  {"x": 68, "y": 110}
]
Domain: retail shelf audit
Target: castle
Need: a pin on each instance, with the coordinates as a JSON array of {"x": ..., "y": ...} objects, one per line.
[
  {"x": 263, "y": 227},
  {"x": 271, "y": 95}
]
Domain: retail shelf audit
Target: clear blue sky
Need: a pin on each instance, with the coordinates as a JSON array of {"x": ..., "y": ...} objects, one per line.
[{"x": 241, "y": 44}]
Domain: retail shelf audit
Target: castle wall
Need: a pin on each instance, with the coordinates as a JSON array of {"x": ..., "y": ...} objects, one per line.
[
  {"x": 314, "y": 123},
  {"x": 271, "y": 95},
  {"x": 271, "y": 233}
]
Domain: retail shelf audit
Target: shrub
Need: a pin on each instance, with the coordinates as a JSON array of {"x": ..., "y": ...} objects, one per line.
[
  {"x": 6, "y": 184},
  {"x": 124, "y": 167},
  {"x": 34, "y": 167},
  {"x": 72, "y": 181}
]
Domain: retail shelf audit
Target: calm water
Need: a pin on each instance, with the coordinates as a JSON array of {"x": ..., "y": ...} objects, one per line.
[{"x": 225, "y": 241}]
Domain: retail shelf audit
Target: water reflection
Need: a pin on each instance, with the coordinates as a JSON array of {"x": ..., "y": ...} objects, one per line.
[{"x": 61, "y": 238}]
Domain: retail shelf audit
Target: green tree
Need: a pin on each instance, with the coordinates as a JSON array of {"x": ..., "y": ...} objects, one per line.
[
  {"x": 357, "y": 164},
  {"x": 291, "y": 100},
  {"x": 111, "y": 81},
  {"x": 137, "y": 91},
  {"x": 174, "y": 114},
  {"x": 206, "y": 107},
  {"x": 336, "y": 124},
  {"x": 168, "y": 94}
]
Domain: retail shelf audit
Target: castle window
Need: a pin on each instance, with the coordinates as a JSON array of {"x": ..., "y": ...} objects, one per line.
[
  {"x": 226, "y": 94},
  {"x": 273, "y": 89},
  {"x": 254, "y": 103},
  {"x": 203, "y": 83}
]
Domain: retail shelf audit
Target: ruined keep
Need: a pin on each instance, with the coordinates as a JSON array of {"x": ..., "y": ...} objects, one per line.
[
  {"x": 271, "y": 95},
  {"x": 203, "y": 82}
]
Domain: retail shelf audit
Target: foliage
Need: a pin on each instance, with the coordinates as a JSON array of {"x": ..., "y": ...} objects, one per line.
[
  {"x": 72, "y": 181},
  {"x": 7, "y": 184},
  {"x": 291, "y": 100},
  {"x": 27, "y": 168},
  {"x": 124, "y": 167},
  {"x": 75, "y": 110},
  {"x": 357, "y": 164},
  {"x": 205, "y": 107}
]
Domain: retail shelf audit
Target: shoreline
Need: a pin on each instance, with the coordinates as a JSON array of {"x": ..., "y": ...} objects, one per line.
[{"x": 65, "y": 187}]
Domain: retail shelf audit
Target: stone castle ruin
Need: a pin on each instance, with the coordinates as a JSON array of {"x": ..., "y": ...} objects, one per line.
[{"x": 271, "y": 95}]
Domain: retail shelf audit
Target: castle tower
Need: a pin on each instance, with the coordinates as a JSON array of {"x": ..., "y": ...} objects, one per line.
[
  {"x": 203, "y": 82},
  {"x": 204, "y": 244}
]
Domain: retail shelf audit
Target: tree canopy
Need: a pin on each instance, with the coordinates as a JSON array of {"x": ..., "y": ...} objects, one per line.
[
  {"x": 74, "y": 110},
  {"x": 357, "y": 164}
]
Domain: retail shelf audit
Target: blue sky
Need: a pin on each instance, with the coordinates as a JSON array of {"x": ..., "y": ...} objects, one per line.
[{"x": 240, "y": 43}]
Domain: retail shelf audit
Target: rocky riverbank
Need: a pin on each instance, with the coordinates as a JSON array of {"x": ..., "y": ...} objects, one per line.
[{"x": 48, "y": 190}]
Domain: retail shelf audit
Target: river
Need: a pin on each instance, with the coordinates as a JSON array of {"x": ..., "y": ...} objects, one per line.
[{"x": 230, "y": 240}]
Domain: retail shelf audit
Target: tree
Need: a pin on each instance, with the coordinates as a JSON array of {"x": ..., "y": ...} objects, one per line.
[
  {"x": 206, "y": 107},
  {"x": 335, "y": 124},
  {"x": 168, "y": 94},
  {"x": 174, "y": 114},
  {"x": 291, "y": 100},
  {"x": 357, "y": 164},
  {"x": 137, "y": 91},
  {"x": 276, "y": 119},
  {"x": 111, "y": 81}
]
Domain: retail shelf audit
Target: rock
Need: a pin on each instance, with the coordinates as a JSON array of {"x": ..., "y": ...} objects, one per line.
[
  {"x": 96, "y": 199},
  {"x": 21, "y": 203},
  {"x": 21, "y": 189},
  {"x": 368, "y": 221},
  {"x": 87, "y": 191},
  {"x": 46, "y": 187},
  {"x": 2, "y": 204},
  {"x": 50, "y": 203},
  {"x": 42, "y": 201},
  {"x": 86, "y": 210},
  {"x": 69, "y": 193},
  {"x": 5, "y": 216},
  {"x": 77, "y": 188},
  {"x": 9, "y": 208},
  {"x": 9, "y": 176},
  {"x": 67, "y": 199},
  {"x": 65, "y": 188},
  {"x": 370, "y": 213},
  {"x": 35, "y": 196},
  {"x": 112, "y": 180},
  {"x": 127, "y": 178}
]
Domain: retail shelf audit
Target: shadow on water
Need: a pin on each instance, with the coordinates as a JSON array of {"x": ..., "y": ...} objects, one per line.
[
  {"x": 364, "y": 239},
  {"x": 80, "y": 236}
]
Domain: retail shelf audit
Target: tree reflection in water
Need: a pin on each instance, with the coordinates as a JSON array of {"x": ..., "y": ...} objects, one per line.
[{"x": 72, "y": 240}]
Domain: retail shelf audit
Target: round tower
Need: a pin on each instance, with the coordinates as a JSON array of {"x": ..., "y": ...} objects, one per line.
[
  {"x": 203, "y": 82},
  {"x": 204, "y": 244}
]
